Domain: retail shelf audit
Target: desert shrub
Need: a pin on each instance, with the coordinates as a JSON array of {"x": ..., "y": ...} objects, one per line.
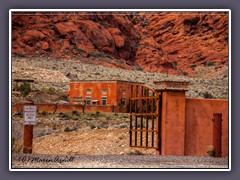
[
  {"x": 98, "y": 113},
  {"x": 93, "y": 54},
  {"x": 185, "y": 73},
  {"x": 19, "y": 114},
  {"x": 44, "y": 113},
  {"x": 64, "y": 116},
  {"x": 64, "y": 97},
  {"x": 16, "y": 146},
  {"x": 49, "y": 91},
  {"x": 122, "y": 137},
  {"x": 24, "y": 88},
  {"x": 193, "y": 66},
  {"x": 207, "y": 95},
  {"x": 20, "y": 55},
  {"x": 211, "y": 64},
  {"x": 211, "y": 151},
  {"x": 92, "y": 126},
  {"x": 132, "y": 152},
  {"x": 69, "y": 129},
  {"x": 75, "y": 112}
]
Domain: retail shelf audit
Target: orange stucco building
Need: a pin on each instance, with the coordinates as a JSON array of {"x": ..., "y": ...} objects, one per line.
[{"x": 101, "y": 94}]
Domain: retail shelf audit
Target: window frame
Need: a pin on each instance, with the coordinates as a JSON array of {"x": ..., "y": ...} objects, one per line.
[
  {"x": 89, "y": 99},
  {"x": 104, "y": 91},
  {"x": 89, "y": 91},
  {"x": 105, "y": 99}
]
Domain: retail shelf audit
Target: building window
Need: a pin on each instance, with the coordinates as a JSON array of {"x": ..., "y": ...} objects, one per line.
[
  {"x": 124, "y": 91},
  {"x": 104, "y": 101},
  {"x": 88, "y": 100},
  {"x": 123, "y": 102},
  {"x": 94, "y": 102},
  {"x": 77, "y": 99},
  {"x": 104, "y": 91},
  {"x": 89, "y": 91}
]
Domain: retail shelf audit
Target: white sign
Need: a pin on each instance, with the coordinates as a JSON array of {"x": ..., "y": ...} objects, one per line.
[{"x": 30, "y": 113}]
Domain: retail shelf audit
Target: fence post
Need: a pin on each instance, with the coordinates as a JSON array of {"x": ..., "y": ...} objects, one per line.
[
  {"x": 28, "y": 133},
  {"x": 28, "y": 137}
]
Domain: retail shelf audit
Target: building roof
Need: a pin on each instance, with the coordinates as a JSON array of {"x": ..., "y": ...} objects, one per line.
[
  {"x": 106, "y": 81},
  {"x": 23, "y": 80}
]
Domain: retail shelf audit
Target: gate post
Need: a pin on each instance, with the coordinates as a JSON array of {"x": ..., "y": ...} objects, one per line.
[{"x": 172, "y": 115}]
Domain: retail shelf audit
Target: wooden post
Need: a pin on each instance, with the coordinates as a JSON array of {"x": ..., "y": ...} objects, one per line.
[
  {"x": 29, "y": 111},
  {"x": 28, "y": 137}
]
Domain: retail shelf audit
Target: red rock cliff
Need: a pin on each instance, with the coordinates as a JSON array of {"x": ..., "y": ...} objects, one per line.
[{"x": 173, "y": 42}]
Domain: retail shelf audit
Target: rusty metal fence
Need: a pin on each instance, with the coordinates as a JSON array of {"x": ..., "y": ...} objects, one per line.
[{"x": 145, "y": 118}]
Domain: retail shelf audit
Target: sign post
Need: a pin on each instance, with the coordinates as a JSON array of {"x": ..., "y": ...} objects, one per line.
[{"x": 29, "y": 113}]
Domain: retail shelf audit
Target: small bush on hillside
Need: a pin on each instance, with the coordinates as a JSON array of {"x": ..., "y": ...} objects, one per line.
[
  {"x": 44, "y": 113},
  {"x": 75, "y": 112},
  {"x": 98, "y": 113},
  {"x": 207, "y": 95},
  {"x": 16, "y": 146},
  {"x": 24, "y": 88},
  {"x": 19, "y": 114},
  {"x": 69, "y": 129},
  {"x": 210, "y": 64}
]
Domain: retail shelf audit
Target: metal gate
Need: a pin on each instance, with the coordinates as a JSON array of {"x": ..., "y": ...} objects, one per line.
[{"x": 145, "y": 118}]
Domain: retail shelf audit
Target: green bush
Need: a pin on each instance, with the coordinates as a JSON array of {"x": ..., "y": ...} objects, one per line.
[
  {"x": 24, "y": 88},
  {"x": 19, "y": 114},
  {"x": 75, "y": 112},
  {"x": 69, "y": 129},
  {"x": 49, "y": 91},
  {"x": 44, "y": 113},
  {"x": 207, "y": 95},
  {"x": 98, "y": 113}
]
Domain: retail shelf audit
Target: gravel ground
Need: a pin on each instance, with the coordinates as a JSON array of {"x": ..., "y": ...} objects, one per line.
[{"x": 114, "y": 161}]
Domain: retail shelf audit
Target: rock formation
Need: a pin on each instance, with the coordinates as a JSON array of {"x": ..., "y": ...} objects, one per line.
[{"x": 172, "y": 42}]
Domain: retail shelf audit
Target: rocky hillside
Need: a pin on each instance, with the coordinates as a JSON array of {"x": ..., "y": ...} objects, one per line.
[
  {"x": 208, "y": 83},
  {"x": 170, "y": 42}
]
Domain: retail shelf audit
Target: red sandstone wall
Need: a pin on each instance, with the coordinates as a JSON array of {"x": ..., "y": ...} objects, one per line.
[{"x": 199, "y": 126}]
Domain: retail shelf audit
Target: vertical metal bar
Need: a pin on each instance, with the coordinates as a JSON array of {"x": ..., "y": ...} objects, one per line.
[
  {"x": 136, "y": 129},
  {"x": 153, "y": 122},
  {"x": 141, "y": 125},
  {"x": 136, "y": 91},
  {"x": 130, "y": 131},
  {"x": 131, "y": 95},
  {"x": 159, "y": 124},
  {"x": 136, "y": 111},
  {"x": 157, "y": 127},
  {"x": 147, "y": 110}
]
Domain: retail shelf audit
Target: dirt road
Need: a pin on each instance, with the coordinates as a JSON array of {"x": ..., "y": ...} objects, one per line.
[{"x": 116, "y": 161}]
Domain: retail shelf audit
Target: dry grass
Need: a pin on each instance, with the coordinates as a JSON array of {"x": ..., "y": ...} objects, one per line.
[{"x": 17, "y": 146}]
